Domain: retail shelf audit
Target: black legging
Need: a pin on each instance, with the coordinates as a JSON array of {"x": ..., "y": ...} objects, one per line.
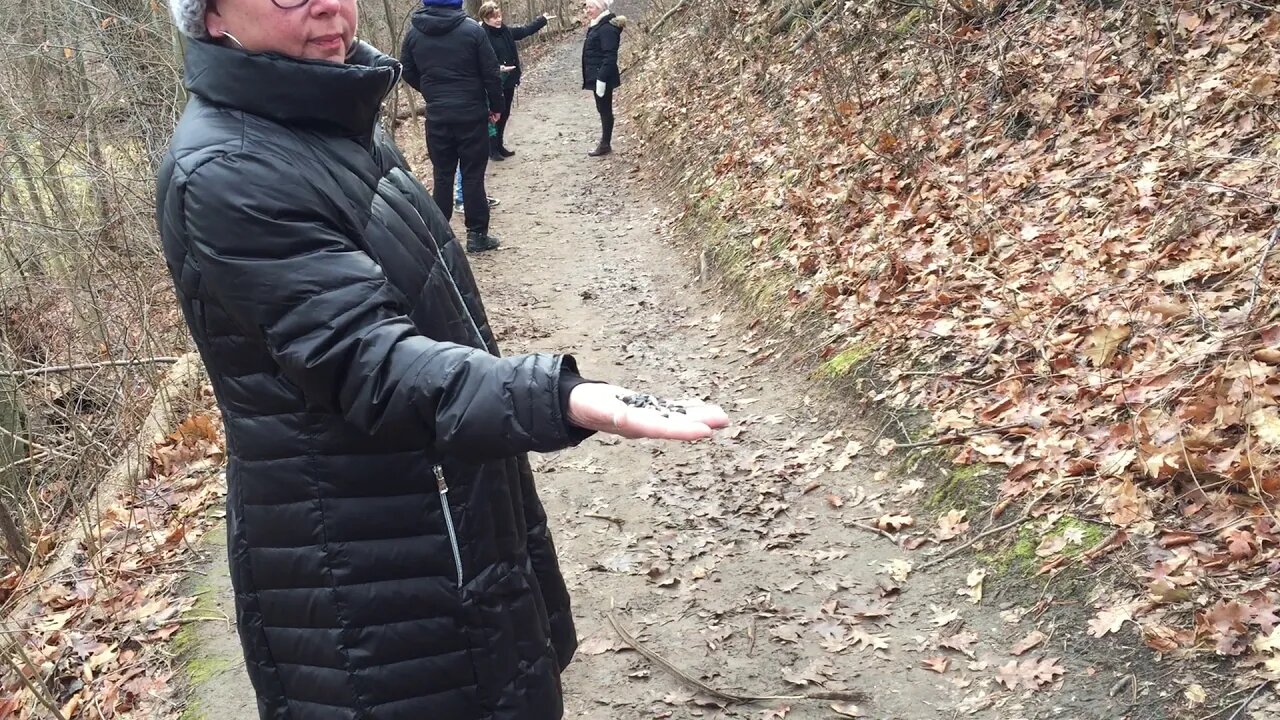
[
  {"x": 508, "y": 98},
  {"x": 604, "y": 106}
]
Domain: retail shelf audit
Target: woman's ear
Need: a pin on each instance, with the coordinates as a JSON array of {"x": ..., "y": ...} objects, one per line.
[{"x": 214, "y": 21}]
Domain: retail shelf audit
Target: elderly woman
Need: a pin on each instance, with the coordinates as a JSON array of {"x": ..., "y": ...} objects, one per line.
[
  {"x": 600, "y": 72},
  {"x": 389, "y": 555},
  {"x": 504, "y": 38}
]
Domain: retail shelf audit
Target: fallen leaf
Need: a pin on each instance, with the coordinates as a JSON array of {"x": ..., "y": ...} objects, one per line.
[
  {"x": 944, "y": 617},
  {"x": 1110, "y": 620},
  {"x": 1051, "y": 545},
  {"x": 1103, "y": 343},
  {"x": 597, "y": 645},
  {"x": 951, "y": 525},
  {"x": 1029, "y": 674},
  {"x": 894, "y": 523},
  {"x": 847, "y": 710},
  {"x": 1030, "y": 641},
  {"x": 961, "y": 642},
  {"x": 1195, "y": 694},
  {"x": 973, "y": 585},
  {"x": 897, "y": 569},
  {"x": 937, "y": 664},
  {"x": 1266, "y": 426}
]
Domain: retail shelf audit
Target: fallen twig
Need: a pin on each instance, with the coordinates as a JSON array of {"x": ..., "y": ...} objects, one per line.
[
  {"x": 41, "y": 691},
  {"x": 656, "y": 659},
  {"x": 607, "y": 518},
  {"x": 946, "y": 439},
  {"x": 1113, "y": 541},
  {"x": 1026, "y": 515},
  {"x": 1262, "y": 265},
  {"x": 876, "y": 530},
  {"x": 48, "y": 370},
  {"x": 1244, "y": 706}
]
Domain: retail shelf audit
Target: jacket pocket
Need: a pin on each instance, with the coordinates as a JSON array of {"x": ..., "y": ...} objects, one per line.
[{"x": 443, "y": 488}]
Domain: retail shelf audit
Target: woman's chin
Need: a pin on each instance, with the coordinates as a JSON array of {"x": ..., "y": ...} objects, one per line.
[{"x": 334, "y": 56}]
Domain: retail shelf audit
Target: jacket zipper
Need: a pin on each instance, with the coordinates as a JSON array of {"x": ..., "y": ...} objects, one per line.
[{"x": 443, "y": 488}]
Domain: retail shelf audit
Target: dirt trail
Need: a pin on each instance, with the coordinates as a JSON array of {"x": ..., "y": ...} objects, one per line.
[{"x": 740, "y": 560}]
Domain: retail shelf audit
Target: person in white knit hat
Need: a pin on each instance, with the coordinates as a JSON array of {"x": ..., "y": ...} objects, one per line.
[
  {"x": 600, "y": 73},
  {"x": 388, "y": 551}
]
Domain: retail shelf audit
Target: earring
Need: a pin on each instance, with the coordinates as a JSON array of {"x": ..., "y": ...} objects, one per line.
[{"x": 233, "y": 39}]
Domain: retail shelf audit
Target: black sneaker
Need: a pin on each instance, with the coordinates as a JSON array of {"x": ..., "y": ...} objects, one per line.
[
  {"x": 505, "y": 152},
  {"x": 496, "y": 156},
  {"x": 481, "y": 242},
  {"x": 601, "y": 150},
  {"x": 494, "y": 202}
]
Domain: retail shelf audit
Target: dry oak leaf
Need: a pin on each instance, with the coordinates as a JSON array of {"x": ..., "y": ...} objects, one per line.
[
  {"x": 1030, "y": 641},
  {"x": 894, "y": 523},
  {"x": 951, "y": 525},
  {"x": 1241, "y": 544},
  {"x": 1266, "y": 426},
  {"x": 1110, "y": 620},
  {"x": 1051, "y": 545},
  {"x": 1125, "y": 504},
  {"x": 937, "y": 664},
  {"x": 961, "y": 643},
  {"x": 1103, "y": 342},
  {"x": 847, "y": 710},
  {"x": 1031, "y": 673}
]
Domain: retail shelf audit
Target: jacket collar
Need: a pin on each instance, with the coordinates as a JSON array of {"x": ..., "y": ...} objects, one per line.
[
  {"x": 338, "y": 98},
  {"x": 606, "y": 15}
]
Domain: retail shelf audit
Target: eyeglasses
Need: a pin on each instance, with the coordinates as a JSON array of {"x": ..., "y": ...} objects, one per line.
[{"x": 289, "y": 4}]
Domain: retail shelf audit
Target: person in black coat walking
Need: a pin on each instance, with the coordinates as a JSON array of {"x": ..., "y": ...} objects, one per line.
[
  {"x": 449, "y": 59},
  {"x": 389, "y": 555},
  {"x": 600, "y": 72},
  {"x": 504, "y": 39}
]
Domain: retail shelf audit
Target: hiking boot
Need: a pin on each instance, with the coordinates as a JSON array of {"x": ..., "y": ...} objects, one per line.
[
  {"x": 496, "y": 155},
  {"x": 478, "y": 242},
  {"x": 505, "y": 152},
  {"x": 601, "y": 150}
]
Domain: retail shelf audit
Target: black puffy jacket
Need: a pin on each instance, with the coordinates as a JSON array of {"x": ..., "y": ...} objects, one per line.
[
  {"x": 389, "y": 555},
  {"x": 448, "y": 58},
  {"x": 600, "y": 52},
  {"x": 504, "y": 41}
]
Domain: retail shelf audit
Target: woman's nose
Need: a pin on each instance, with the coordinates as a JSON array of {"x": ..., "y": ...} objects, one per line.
[{"x": 325, "y": 7}]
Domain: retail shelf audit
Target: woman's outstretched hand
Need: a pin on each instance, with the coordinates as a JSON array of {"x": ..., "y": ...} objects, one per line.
[{"x": 599, "y": 406}]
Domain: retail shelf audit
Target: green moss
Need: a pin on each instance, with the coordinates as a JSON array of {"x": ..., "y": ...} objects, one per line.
[
  {"x": 846, "y": 362},
  {"x": 186, "y": 644},
  {"x": 966, "y": 487},
  {"x": 763, "y": 289},
  {"x": 201, "y": 670},
  {"x": 910, "y": 21},
  {"x": 1020, "y": 556}
]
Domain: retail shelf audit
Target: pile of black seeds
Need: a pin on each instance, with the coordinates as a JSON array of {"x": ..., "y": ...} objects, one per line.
[{"x": 664, "y": 407}]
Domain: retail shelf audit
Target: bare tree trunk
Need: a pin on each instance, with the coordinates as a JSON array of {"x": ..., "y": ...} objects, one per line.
[
  {"x": 16, "y": 542},
  {"x": 12, "y": 426}
]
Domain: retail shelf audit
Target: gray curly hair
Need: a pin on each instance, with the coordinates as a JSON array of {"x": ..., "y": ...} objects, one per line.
[{"x": 188, "y": 15}]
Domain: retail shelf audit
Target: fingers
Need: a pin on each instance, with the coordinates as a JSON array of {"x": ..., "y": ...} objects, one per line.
[
  {"x": 710, "y": 415},
  {"x": 652, "y": 425}
]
